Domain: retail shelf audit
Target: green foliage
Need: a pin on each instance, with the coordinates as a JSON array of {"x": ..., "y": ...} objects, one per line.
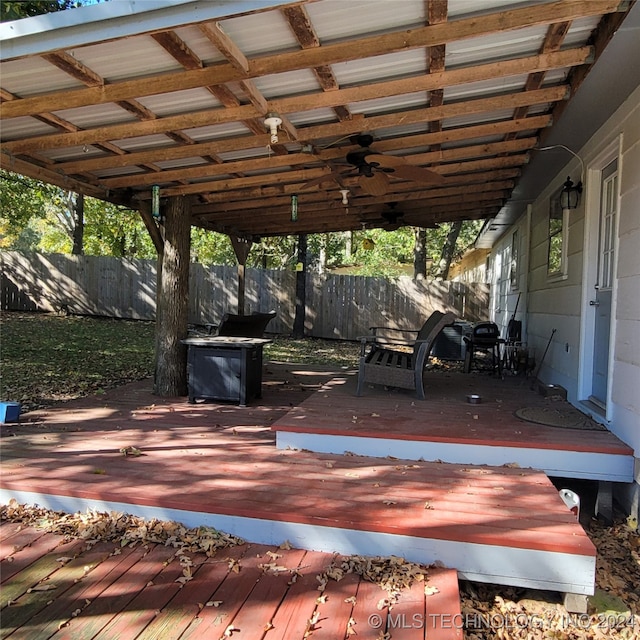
[
  {"x": 39, "y": 217},
  {"x": 21, "y": 200},
  {"x": 392, "y": 254},
  {"x": 115, "y": 231},
  {"x": 209, "y": 247},
  {"x": 10, "y": 10}
]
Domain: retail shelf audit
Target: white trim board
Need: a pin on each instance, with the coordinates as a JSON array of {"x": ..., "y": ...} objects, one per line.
[
  {"x": 494, "y": 564},
  {"x": 562, "y": 464}
]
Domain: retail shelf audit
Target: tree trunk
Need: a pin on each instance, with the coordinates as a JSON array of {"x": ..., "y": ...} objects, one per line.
[
  {"x": 322, "y": 258},
  {"x": 173, "y": 301},
  {"x": 301, "y": 288},
  {"x": 241, "y": 248},
  {"x": 348, "y": 246},
  {"x": 78, "y": 225},
  {"x": 448, "y": 250},
  {"x": 420, "y": 255}
]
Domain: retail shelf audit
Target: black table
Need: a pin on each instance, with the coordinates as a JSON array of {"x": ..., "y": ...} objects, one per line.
[{"x": 225, "y": 368}]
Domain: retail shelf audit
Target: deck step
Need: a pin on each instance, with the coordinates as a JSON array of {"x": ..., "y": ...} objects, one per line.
[
  {"x": 445, "y": 427},
  {"x": 494, "y": 524},
  {"x": 136, "y": 593}
]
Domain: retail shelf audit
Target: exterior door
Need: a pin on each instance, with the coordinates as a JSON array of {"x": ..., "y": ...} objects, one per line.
[{"x": 602, "y": 299}]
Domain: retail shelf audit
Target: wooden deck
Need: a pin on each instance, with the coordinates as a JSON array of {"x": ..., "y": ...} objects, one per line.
[
  {"x": 217, "y": 465},
  {"x": 107, "y": 592},
  {"x": 446, "y": 427}
]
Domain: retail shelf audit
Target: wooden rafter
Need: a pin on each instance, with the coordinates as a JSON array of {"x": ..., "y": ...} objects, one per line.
[
  {"x": 471, "y": 120},
  {"x": 432, "y": 35}
]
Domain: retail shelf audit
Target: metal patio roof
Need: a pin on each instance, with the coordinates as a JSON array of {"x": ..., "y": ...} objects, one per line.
[{"x": 112, "y": 99}]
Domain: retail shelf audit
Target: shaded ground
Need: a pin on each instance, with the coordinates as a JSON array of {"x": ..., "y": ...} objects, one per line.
[{"x": 47, "y": 359}]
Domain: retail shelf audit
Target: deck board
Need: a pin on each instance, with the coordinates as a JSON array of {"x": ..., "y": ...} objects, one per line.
[
  {"x": 114, "y": 589},
  {"x": 216, "y": 464}
]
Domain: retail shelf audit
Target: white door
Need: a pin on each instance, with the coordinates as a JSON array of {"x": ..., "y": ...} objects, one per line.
[{"x": 601, "y": 301}]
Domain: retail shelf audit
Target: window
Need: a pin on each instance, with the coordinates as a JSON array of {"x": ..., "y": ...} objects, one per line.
[
  {"x": 607, "y": 233},
  {"x": 556, "y": 262},
  {"x": 513, "y": 271}
]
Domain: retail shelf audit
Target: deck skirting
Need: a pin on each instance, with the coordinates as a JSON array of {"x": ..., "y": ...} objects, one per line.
[
  {"x": 587, "y": 465},
  {"x": 497, "y": 564}
]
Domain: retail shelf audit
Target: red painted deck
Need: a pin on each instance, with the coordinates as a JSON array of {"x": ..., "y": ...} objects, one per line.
[
  {"x": 218, "y": 464},
  {"x": 445, "y": 416},
  {"x": 445, "y": 423},
  {"x": 107, "y": 592}
]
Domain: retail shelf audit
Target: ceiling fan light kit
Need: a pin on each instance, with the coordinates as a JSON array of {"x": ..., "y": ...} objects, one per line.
[{"x": 373, "y": 169}]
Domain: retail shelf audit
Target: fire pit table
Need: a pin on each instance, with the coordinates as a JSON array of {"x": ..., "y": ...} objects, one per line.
[{"x": 225, "y": 368}]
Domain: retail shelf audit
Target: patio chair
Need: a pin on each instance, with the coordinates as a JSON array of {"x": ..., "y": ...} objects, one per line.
[
  {"x": 251, "y": 326},
  {"x": 397, "y": 362},
  {"x": 484, "y": 339}
]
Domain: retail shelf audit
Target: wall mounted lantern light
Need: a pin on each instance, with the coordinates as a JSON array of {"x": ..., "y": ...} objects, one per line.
[{"x": 570, "y": 194}]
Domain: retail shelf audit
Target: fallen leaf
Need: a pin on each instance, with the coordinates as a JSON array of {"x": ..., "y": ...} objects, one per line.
[
  {"x": 382, "y": 604},
  {"x": 430, "y": 590},
  {"x": 130, "y": 451},
  {"x": 42, "y": 587},
  {"x": 285, "y": 546}
]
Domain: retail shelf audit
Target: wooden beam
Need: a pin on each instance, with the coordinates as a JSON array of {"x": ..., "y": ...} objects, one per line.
[
  {"x": 52, "y": 177},
  {"x": 436, "y": 13},
  {"x": 275, "y": 178},
  {"x": 74, "y": 68},
  {"x": 421, "y": 115},
  {"x": 226, "y": 46},
  {"x": 208, "y": 148},
  {"x": 395, "y": 194},
  {"x": 221, "y": 115},
  {"x": 178, "y": 48},
  {"x": 432, "y": 35}
]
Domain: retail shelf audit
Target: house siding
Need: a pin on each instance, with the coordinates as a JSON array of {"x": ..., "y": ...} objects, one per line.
[{"x": 563, "y": 303}]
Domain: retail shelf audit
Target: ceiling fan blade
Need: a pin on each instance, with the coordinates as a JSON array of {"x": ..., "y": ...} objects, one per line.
[
  {"x": 376, "y": 185},
  {"x": 327, "y": 177},
  {"x": 418, "y": 174},
  {"x": 403, "y": 169}
]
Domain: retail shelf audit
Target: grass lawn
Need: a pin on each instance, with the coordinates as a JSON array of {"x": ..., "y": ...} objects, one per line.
[{"x": 47, "y": 358}]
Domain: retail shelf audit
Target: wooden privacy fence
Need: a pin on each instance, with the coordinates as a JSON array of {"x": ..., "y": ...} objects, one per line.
[{"x": 341, "y": 307}]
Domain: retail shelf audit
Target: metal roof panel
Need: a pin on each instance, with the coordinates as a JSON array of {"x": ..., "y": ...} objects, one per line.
[{"x": 34, "y": 76}]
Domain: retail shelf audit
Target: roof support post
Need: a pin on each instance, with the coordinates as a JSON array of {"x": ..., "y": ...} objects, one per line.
[{"x": 172, "y": 308}]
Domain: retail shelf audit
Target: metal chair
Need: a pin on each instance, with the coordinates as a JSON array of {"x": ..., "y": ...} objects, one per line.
[{"x": 484, "y": 338}]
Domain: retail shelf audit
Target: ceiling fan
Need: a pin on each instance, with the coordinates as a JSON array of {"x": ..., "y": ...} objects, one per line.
[
  {"x": 392, "y": 218},
  {"x": 373, "y": 169}
]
